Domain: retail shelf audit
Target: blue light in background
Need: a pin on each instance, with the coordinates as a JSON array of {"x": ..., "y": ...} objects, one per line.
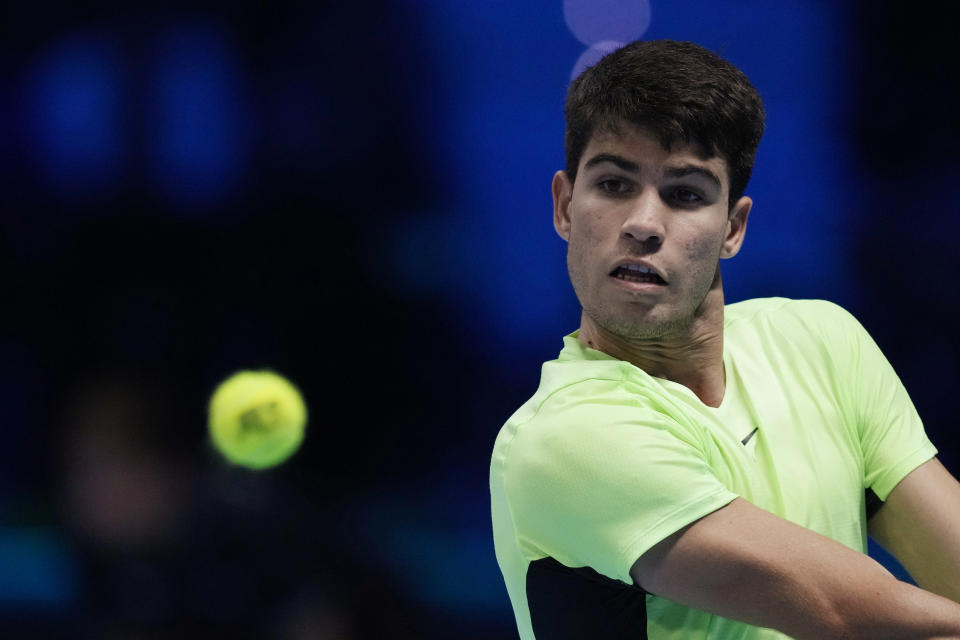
[
  {"x": 604, "y": 26},
  {"x": 72, "y": 110},
  {"x": 499, "y": 131},
  {"x": 37, "y": 571},
  {"x": 593, "y": 21},
  {"x": 198, "y": 142}
]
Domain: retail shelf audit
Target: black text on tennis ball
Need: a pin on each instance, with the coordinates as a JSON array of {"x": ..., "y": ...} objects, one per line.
[{"x": 257, "y": 419}]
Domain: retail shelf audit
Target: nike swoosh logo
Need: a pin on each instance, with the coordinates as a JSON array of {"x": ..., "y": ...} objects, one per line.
[{"x": 750, "y": 435}]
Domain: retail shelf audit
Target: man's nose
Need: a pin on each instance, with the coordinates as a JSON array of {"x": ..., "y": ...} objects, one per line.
[{"x": 645, "y": 220}]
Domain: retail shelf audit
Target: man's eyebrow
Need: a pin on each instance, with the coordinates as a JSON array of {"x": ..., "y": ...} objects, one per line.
[
  {"x": 692, "y": 169},
  {"x": 672, "y": 172},
  {"x": 620, "y": 161}
]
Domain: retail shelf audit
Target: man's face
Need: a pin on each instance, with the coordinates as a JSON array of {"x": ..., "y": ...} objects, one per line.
[{"x": 646, "y": 228}]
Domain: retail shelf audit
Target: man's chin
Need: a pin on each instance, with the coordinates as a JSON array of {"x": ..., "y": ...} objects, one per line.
[{"x": 654, "y": 326}]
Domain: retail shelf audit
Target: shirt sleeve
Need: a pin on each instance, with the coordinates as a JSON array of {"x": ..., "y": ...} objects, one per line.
[
  {"x": 598, "y": 483},
  {"x": 892, "y": 438}
]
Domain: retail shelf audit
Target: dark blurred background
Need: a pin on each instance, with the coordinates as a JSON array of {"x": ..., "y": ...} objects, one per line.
[{"x": 357, "y": 196}]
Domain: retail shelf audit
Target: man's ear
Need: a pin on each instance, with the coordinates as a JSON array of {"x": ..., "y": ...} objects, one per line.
[
  {"x": 562, "y": 193},
  {"x": 736, "y": 227}
]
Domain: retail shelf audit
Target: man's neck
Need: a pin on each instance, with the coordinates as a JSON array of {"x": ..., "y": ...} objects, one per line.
[{"x": 692, "y": 357}]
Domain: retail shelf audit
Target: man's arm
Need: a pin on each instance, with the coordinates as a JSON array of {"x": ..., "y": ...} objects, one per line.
[
  {"x": 920, "y": 525},
  {"x": 744, "y": 563}
]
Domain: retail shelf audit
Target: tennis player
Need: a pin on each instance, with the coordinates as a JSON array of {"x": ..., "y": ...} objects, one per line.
[{"x": 689, "y": 469}]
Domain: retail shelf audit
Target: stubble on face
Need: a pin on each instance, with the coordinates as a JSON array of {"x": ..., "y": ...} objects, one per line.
[{"x": 642, "y": 320}]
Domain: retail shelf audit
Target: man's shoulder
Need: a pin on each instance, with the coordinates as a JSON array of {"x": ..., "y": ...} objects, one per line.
[
  {"x": 792, "y": 333},
  {"x": 579, "y": 392},
  {"x": 789, "y": 317},
  {"x": 582, "y": 376},
  {"x": 765, "y": 308},
  {"x": 569, "y": 385}
]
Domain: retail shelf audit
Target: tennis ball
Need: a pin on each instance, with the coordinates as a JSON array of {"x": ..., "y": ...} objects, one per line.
[{"x": 257, "y": 419}]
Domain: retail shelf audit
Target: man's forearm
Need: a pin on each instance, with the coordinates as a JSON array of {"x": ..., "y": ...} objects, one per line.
[{"x": 907, "y": 612}]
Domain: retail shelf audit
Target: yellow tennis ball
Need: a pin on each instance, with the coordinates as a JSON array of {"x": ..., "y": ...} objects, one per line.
[{"x": 257, "y": 419}]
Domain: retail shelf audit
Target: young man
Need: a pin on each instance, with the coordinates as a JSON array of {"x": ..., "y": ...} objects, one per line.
[{"x": 693, "y": 470}]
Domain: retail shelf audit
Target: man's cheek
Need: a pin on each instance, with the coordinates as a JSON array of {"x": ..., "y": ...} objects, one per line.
[
  {"x": 585, "y": 231},
  {"x": 702, "y": 248}
]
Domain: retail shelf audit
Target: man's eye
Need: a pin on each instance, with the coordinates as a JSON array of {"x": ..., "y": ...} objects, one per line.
[
  {"x": 686, "y": 196},
  {"x": 613, "y": 186}
]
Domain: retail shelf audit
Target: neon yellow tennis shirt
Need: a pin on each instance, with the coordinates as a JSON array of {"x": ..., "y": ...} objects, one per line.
[{"x": 605, "y": 461}]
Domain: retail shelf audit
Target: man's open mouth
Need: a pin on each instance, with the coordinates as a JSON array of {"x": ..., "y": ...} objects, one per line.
[{"x": 637, "y": 273}]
